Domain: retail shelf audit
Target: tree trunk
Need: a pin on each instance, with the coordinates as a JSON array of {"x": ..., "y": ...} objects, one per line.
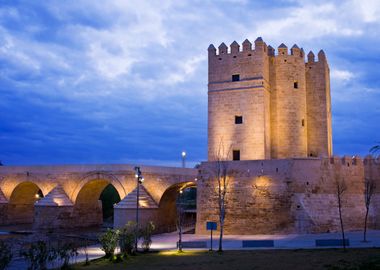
[
  {"x": 365, "y": 225},
  {"x": 221, "y": 236},
  {"x": 180, "y": 238},
  {"x": 341, "y": 224}
]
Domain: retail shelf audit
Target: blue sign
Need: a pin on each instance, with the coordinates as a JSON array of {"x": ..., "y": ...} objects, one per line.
[{"x": 211, "y": 226}]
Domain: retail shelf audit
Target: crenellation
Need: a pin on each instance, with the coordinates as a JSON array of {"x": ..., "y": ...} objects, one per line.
[
  {"x": 295, "y": 50},
  {"x": 302, "y": 54},
  {"x": 310, "y": 57},
  {"x": 335, "y": 160},
  {"x": 234, "y": 48},
  {"x": 368, "y": 159},
  {"x": 222, "y": 49},
  {"x": 346, "y": 161},
  {"x": 211, "y": 50},
  {"x": 321, "y": 56},
  {"x": 260, "y": 45},
  {"x": 247, "y": 45},
  {"x": 271, "y": 51},
  {"x": 282, "y": 49}
]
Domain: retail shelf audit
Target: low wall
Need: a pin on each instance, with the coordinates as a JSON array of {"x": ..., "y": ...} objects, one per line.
[
  {"x": 285, "y": 196},
  {"x": 59, "y": 217}
]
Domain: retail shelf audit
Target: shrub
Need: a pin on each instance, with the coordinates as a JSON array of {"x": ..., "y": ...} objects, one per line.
[
  {"x": 38, "y": 255},
  {"x": 5, "y": 255},
  {"x": 108, "y": 240},
  {"x": 127, "y": 237},
  {"x": 146, "y": 234},
  {"x": 65, "y": 253}
]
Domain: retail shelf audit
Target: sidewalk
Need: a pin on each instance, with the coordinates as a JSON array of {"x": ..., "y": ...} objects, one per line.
[{"x": 290, "y": 241}]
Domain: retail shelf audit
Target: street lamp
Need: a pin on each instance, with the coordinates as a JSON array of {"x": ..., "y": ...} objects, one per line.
[
  {"x": 180, "y": 217},
  {"x": 183, "y": 159},
  {"x": 140, "y": 180}
]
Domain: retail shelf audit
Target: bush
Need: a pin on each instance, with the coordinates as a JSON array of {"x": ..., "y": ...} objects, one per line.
[
  {"x": 108, "y": 240},
  {"x": 5, "y": 255},
  {"x": 146, "y": 234},
  {"x": 65, "y": 253},
  {"x": 127, "y": 237},
  {"x": 38, "y": 255}
]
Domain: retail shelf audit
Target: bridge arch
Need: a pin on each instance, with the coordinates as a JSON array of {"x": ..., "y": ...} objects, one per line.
[
  {"x": 94, "y": 200},
  {"x": 21, "y": 202},
  {"x": 99, "y": 180},
  {"x": 167, "y": 211}
]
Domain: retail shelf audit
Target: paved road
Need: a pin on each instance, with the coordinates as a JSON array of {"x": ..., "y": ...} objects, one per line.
[{"x": 234, "y": 242}]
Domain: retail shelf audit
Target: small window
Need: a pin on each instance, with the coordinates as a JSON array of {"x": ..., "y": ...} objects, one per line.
[
  {"x": 236, "y": 155},
  {"x": 236, "y": 77},
  {"x": 295, "y": 85},
  {"x": 303, "y": 122},
  {"x": 238, "y": 119}
]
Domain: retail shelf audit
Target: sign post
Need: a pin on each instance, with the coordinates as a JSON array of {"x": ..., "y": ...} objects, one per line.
[{"x": 210, "y": 226}]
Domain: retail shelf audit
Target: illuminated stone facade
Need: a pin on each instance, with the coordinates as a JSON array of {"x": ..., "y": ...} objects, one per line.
[
  {"x": 68, "y": 196},
  {"x": 272, "y": 111},
  {"x": 281, "y": 196},
  {"x": 266, "y": 105}
]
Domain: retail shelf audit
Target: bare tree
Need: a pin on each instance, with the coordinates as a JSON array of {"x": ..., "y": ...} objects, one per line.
[
  {"x": 221, "y": 174},
  {"x": 375, "y": 151},
  {"x": 369, "y": 189},
  {"x": 341, "y": 187}
]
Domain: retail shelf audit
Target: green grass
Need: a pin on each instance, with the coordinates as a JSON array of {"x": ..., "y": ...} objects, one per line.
[{"x": 331, "y": 259}]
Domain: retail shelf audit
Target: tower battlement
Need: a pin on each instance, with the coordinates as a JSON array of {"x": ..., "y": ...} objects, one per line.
[
  {"x": 266, "y": 103},
  {"x": 259, "y": 46}
]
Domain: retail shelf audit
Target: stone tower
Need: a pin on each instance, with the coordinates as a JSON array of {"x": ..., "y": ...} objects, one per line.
[{"x": 263, "y": 105}]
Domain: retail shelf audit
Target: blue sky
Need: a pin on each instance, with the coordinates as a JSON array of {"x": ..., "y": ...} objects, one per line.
[{"x": 126, "y": 81}]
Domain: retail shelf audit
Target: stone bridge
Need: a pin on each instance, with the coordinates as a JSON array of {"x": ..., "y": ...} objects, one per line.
[{"x": 68, "y": 196}]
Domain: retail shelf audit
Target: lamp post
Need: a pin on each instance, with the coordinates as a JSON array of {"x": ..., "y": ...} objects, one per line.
[
  {"x": 180, "y": 213},
  {"x": 140, "y": 180},
  {"x": 183, "y": 159}
]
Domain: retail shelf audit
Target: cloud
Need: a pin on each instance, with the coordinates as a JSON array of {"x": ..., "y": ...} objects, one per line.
[
  {"x": 139, "y": 68},
  {"x": 341, "y": 75}
]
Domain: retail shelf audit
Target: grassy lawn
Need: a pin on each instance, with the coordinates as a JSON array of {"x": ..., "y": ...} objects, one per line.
[{"x": 332, "y": 259}]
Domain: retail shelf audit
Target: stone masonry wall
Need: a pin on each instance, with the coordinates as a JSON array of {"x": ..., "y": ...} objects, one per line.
[
  {"x": 285, "y": 196},
  {"x": 319, "y": 134},
  {"x": 248, "y": 97},
  {"x": 284, "y": 101},
  {"x": 289, "y": 88}
]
